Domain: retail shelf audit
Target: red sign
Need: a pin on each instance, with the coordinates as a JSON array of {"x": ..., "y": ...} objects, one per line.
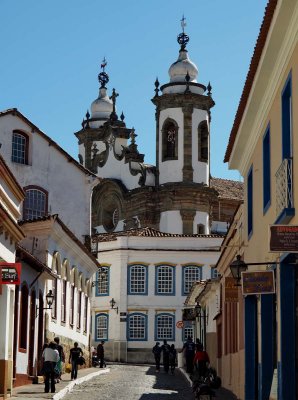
[
  {"x": 284, "y": 238},
  {"x": 179, "y": 324},
  {"x": 10, "y": 273}
]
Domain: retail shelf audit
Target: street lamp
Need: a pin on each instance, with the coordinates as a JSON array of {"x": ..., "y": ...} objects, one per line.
[
  {"x": 49, "y": 299},
  {"x": 237, "y": 267},
  {"x": 113, "y": 303}
]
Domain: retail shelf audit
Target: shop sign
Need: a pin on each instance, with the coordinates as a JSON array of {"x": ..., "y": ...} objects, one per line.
[
  {"x": 283, "y": 238},
  {"x": 231, "y": 290},
  {"x": 10, "y": 273},
  {"x": 258, "y": 282}
]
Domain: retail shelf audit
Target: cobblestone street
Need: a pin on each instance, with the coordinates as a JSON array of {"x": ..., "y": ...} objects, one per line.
[{"x": 129, "y": 382}]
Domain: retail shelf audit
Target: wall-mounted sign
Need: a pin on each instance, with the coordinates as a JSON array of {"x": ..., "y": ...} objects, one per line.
[
  {"x": 258, "y": 282},
  {"x": 10, "y": 273},
  {"x": 231, "y": 290},
  {"x": 283, "y": 238},
  {"x": 123, "y": 314},
  {"x": 122, "y": 319},
  {"x": 180, "y": 324}
]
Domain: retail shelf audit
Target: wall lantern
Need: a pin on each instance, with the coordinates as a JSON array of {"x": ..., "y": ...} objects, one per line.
[
  {"x": 237, "y": 267},
  {"x": 49, "y": 299},
  {"x": 113, "y": 303}
]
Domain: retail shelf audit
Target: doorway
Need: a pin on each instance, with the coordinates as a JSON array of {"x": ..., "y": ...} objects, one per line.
[
  {"x": 32, "y": 333},
  {"x": 40, "y": 334}
]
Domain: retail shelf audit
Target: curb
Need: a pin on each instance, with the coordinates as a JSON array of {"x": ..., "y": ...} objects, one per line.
[
  {"x": 78, "y": 381},
  {"x": 182, "y": 370}
]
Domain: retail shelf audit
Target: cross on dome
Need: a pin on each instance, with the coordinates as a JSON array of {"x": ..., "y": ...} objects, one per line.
[
  {"x": 103, "y": 77},
  {"x": 183, "y": 38}
]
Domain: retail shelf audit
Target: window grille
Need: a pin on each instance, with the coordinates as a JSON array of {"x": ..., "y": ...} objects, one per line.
[
  {"x": 35, "y": 204},
  {"x": 165, "y": 280},
  {"x": 165, "y": 327},
  {"x": 137, "y": 327},
  {"x": 191, "y": 274},
  {"x": 101, "y": 327},
  {"x": 138, "y": 279},
  {"x": 102, "y": 278},
  {"x": 188, "y": 332},
  {"x": 19, "y": 148}
]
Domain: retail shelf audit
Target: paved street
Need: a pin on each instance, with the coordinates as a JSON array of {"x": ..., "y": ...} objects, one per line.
[{"x": 130, "y": 382}]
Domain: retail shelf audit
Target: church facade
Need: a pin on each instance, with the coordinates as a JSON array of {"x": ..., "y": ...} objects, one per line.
[{"x": 156, "y": 228}]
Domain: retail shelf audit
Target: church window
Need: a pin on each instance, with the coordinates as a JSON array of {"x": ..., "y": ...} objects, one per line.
[
  {"x": 191, "y": 274},
  {"x": 138, "y": 279},
  {"x": 35, "y": 204},
  {"x": 20, "y": 142},
  {"x": 101, "y": 327},
  {"x": 137, "y": 326},
  {"x": 164, "y": 327},
  {"x": 24, "y": 318},
  {"x": 165, "y": 280},
  {"x": 201, "y": 229},
  {"x": 169, "y": 140},
  {"x": 102, "y": 282},
  {"x": 203, "y": 139}
]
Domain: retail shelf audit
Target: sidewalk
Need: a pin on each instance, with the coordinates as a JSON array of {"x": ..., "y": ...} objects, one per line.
[
  {"x": 221, "y": 394},
  {"x": 36, "y": 391}
]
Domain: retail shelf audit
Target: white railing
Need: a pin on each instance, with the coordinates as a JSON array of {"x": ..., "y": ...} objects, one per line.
[{"x": 284, "y": 186}]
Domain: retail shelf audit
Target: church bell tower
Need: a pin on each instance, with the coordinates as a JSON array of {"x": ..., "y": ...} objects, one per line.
[{"x": 183, "y": 122}]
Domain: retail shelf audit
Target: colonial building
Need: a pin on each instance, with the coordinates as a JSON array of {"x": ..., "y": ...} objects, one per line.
[
  {"x": 157, "y": 228},
  {"x": 263, "y": 147},
  {"x": 55, "y": 216}
]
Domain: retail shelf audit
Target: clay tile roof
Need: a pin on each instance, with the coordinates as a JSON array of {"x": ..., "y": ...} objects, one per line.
[
  {"x": 145, "y": 232},
  {"x": 15, "y": 111},
  {"x": 227, "y": 189},
  {"x": 268, "y": 16}
]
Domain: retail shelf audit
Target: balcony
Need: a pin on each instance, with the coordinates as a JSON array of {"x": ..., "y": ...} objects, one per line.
[{"x": 284, "y": 192}]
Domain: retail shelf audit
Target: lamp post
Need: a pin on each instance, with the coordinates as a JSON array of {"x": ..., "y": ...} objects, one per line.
[{"x": 112, "y": 304}]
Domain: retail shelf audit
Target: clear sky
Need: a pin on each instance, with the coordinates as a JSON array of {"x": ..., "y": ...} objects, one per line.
[{"x": 51, "y": 53}]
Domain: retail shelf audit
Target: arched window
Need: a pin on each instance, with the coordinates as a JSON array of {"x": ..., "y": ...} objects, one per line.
[
  {"x": 20, "y": 146},
  {"x": 24, "y": 318},
  {"x": 203, "y": 139},
  {"x": 85, "y": 313},
  {"x": 79, "y": 308},
  {"x": 170, "y": 140},
  {"x": 137, "y": 327},
  {"x": 101, "y": 327},
  {"x": 36, "y": 202},
  {"x": 164, "y": 327},
  {"x": 63, "y": 299},
  {"x": 191, "y": 274}
]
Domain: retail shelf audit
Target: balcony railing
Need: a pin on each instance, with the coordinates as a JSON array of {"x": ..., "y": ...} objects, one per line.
[{"x": 284, "y": 188}]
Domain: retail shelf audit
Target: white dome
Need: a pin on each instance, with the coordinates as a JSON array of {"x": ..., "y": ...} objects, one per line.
[
  {"x": 179, "y": 68},
  {"x": 102, "y": 106}
]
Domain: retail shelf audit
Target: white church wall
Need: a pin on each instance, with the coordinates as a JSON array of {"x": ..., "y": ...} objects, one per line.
[
  {"x": 201, "y": 218},
  {"x": 181, "y": 89},
  {"x": 171, "y": 170},
  {"x": 44, "y": 170},
  {"x": 171, "y": 222},
  {"x": 201, "y": 169}
]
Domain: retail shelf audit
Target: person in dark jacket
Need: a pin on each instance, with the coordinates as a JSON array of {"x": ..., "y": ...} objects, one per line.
[
  {"x": 189, "y": 352},
  {"x": 165, "y": 348},
  {"x": 157, "y": 353},
  {"x": 101, "y": 354},
  {"x": 61, "y": 356},
  {"x": 173, "y": 358},
  {"x": 74, "y": 355}
]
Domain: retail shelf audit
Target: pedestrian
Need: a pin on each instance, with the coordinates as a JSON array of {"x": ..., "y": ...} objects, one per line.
[
  {"x": 165, "y": 348},
  {"x": 189, "y": 352},
  {"x": 200, "y": 360},
  {"x": 173, "y": 358},
  {"x": 74, "y": 355},
  {"x": 59, "y": 347},
  {"x": 101, "y": 354},
  {"x": 157, "y": 353},
  {"x": 50, "y": 357}
]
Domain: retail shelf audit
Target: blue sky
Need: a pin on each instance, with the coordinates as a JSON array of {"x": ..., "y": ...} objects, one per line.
[{"x": 52, "y": 50}]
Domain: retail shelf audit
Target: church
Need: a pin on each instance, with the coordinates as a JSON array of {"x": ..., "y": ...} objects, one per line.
[{"x": 156, "y": 229}]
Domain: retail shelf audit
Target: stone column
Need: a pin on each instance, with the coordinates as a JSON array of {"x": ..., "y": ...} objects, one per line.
[
  {"x": 187, "y": 148},
  {"x": 187, "y": 221}
]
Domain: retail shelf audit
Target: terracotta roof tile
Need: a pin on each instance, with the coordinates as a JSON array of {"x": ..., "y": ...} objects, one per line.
[
  {"x": 268, "y": 16},
  {"x": 227, "y": 189}
]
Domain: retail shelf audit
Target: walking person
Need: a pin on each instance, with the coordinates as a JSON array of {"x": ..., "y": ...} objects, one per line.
[
  {"x": 166, "y": 356},
  {"x": 50, "y": 357},
  {"x": 201, "y": 359},
  {"x": 157, "y": 353},
  {"x": 74, "y": 355},
  {"x": 101, "y": 354},
  {"x": 173, "y": 358},
  {"x": 61, "y": 356},
  {"x": 189, "y": 351}
]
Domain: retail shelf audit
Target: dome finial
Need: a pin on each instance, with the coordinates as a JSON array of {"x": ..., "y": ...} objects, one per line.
[
  {"x": 183, "y": 38},
  {"x": 103, "y": 77}
]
